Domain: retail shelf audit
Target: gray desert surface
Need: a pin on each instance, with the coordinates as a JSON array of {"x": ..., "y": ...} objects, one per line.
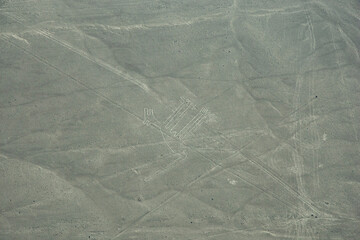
[{"x": 164, "y": 119}]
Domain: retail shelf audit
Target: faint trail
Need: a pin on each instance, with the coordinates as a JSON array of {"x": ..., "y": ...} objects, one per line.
[
  {"x": 349, "y": 41},
  {"x": 95, "y": 60},
  {"x": 162, "y": 133},
  {"x": 17, "y": 37},
  {"x": 167, "y": 144},
  {"x": 111, "y": 176},
  {"x": 344, "y": 90},
  {"x": 198, "y": 123},
  {"x": 169, "y": 166},
  {"x": 193, "y": 121},
  {"x": 338, "y": 63},
  {"x": 215, "y": 97},
  {"x": 294, "y": 112},
  {"x": 177, "y": 119},
  {"x": 233, "y": 231},
  {"x": 144, "y": 26},
  {"x": 193, "y": 125},
  {"x": 137, "y": 220},
  {"x": 237, "y": 174},
  {"x": 233, "y": 17},
  {"x": 180, "y": 109},
  {"x": 149, "y": 26},
  {"x": 311, "y": 29},
  {"x": 298, "y": 160},
  {"x": 257, "y": 162},
  {"x": 201, "y": 177},
  {"x": 14, "y": 17},
  {"x": 77, "y": 81},
  {"x": 48, "y": 4},
  {"x": 315, "y": 136},
  {"x": 300, "y": 229}
]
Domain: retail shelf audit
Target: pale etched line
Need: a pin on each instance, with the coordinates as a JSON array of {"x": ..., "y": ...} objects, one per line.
[
  {"x": 175, "y": 114},
  {"x": 14, "y": 17},
  {"x": 298, "y": 161},
  {"x": 77, "y": 81},
  {"x": 233, "y": 17},
  {"x": 158, "y": 127},
  {"x": 193, "y": 120},
  {"x": 17, "y": 37},
  {"x": 299, "y": 108},
  {"x": 215, "y": 149},
  {"x": 163, "y": 25},
  {"x": 215, "y": 97},
  {"x": 316, "y": 137},
  {"x": 136, "y": 221},
  {"x": 166, "y": 168},
  {"x": 349, "y": 41},
  {"x": 233, "y": 231},
  {"x": 49, "y": 5},
  {"x": 117, "y": 174},
  {"x": 223, "y": 167},
  {"x": 178, "y": 120},
  {"x": 218, "y": 166},
  {"x": 257, "y": 162},
  {"x": 265, "y": 191},
  {"x": 180, "y": 117},
  {"x": 95, "y": 60},
  {"x": 343, "y": 89},
  {"x": 148, "y": 112},
  {"x": 194, "y": 126},
  {"x": 167, "y": 144},
  {"x": 4, "y": 37},
  {"x": 281, "y": 182},
  {"x": 199, "y": 122},
  {"x": 180, "y": 113},
  {"x": 145, "y": 116},
  {"x": 311, "y": 29},
  {"x": 189, "y": 124}
]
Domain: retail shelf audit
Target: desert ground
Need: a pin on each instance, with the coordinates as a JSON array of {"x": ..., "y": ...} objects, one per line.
[{"x": 184, "y": 120}]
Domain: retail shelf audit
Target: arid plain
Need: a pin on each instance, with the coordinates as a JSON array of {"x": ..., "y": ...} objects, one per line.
[{"x": 164, "y": 119}]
